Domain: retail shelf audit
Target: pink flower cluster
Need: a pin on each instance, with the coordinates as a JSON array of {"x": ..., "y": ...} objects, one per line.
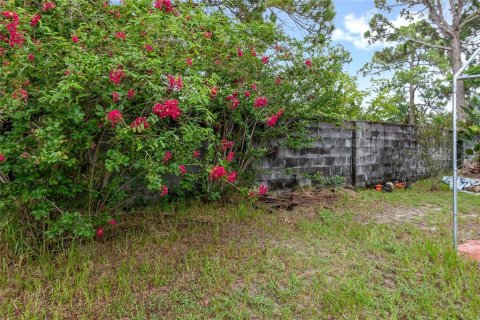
[
  {"x": 47, "y": 6},
  {"x": 217, "y": 173},
  {"x": 14, "y": 36},
  {"x": 183, "y": 169},
  {"x": 115, "y": 97},
  {"x": 234, "y": 102},
  {"x": 116, "y": 76},
  {"x": 121, "y": 35},
  {"x": 273, "y": 119},
  {"x": 196, "y": 153},
  {"x": 174, "y": 84},
  {"x": 260, "y": 102},
  {"x": 115, "y": 117},
  {"x": 262, "y": 190},
  {"x": 265, "y": 59},
  {"x": 2, "y": 158},
  {"x": 232, "y": 177},
  {"x": 36, "y": 18},
  {"x": 230, "y": 156},
  {"x": 168, "y": 109},
  {"x": 308, "y": 63},
  {"x": 140, "y": 122},
  {"x": 167, "y": 157},
  {"x": 227, "y": 144},
  {"x": 164, "y": 191},
  {"x": 164, "y": 5},
  {"x": 148, "y": 48}
]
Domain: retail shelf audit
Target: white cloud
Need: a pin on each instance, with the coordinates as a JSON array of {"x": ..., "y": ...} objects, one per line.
[{"x": 354, "y": 28}]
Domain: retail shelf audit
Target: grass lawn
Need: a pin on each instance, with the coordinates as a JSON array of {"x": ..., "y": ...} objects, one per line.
[{"x": 346, "y": 255}]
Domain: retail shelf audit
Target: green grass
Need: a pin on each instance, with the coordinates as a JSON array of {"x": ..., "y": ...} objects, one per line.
[{"x": 368, "y": 255}]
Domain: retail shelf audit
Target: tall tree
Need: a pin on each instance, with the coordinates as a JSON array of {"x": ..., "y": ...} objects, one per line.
[
  {"x": 451, "y": 26},
  {"x": 313, "y": 16},
  {"x": 409, "y": 67}
]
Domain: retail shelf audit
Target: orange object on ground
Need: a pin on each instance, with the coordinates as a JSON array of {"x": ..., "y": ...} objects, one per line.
[
  {"x": 379, "y": 187},
  {"x": 400, "y": 185},
  {"x": 470, "y": 249}
]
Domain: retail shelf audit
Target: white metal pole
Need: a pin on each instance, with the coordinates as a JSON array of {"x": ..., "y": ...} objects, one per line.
[
  {"x": 454, "y": 129},
  {"x": 455, "y": 169}
]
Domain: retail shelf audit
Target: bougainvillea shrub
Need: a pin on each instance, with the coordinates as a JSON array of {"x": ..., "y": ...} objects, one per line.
[{"x": 95, "y": 98}]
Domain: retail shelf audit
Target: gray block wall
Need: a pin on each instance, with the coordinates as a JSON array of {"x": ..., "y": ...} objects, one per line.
[{"x": 364, "y": 153}]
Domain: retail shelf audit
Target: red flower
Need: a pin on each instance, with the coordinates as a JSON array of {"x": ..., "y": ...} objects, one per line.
[
  {"x": 167, "y": 157},
  {"x": 227, "y": 144},
  {"x": 99, "y": 232},
  {"x": 164, "y": 191},
  {"x": 240, "y": 53},
  {"x": 164, "y": 5},
  {"x": 121, "y": 36},
  {"x": 230, "y": 156},
  {"x": 260, "y": 102},
  {"x": 174, "y": 84},
  {"x": 213, "y": 92},
  {"x": 36, "y": 18},
  {"x": 67, "y": 73},
  {"x": 2, "y": 158},
  {"x": 278, "y": 80},
  {"x": 21, "y": 94},
  {"x": 168, "y": 109},
  {"x": 265, "y": 59},
  {"x": 308, "y": 63},
  {"x": 148, "y": 48},
  {"x": 207, "y": 34},
  {"x": 217, "y": 172},
  {"x": 234, "y": 103},
  {"x": 262, "y": 190},
  {"x": 47, "y": 6},
  {"x": 15, "y": 37},
  {"x": 115, "y": 117},
  {"x": 31, "y": 57},
  {"x": 183, "y": 169},
  {"x": 196, "y": 153},
  {"x": 272, "y": 121},
  {"x": 115, "y": 97},
  {"x": 254, "y": 87},
  {"x": 254, "y": 53},
  {"x": 247, "y": 94},
  {"x": 75, "y": 39},
  {"x": 131, "y": 94},
  {"x": 232, "y": 177},
  {"x": 113, "y": 222},
  {"x": 189, "y": 61},
  {"x": 139, "y": 122},
  {"x": 116, "y": 76}
]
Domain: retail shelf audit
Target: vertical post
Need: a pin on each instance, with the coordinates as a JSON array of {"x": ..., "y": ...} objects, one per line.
[
  {"x": 455, "y": 167},
  {"x": 456, "y": 76}
]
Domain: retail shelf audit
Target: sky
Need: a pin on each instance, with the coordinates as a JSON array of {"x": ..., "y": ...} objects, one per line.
[{"x": 351, "y": 22}]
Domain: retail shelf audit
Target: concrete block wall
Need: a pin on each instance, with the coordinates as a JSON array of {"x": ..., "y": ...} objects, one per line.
[{"x": 364, "y": 153}]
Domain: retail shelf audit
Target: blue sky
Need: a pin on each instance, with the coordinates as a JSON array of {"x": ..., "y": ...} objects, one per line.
[{"x": 351, "y": 21}]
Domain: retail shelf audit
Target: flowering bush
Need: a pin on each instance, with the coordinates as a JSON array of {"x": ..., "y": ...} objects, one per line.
[{"x": 96, "y": 97}]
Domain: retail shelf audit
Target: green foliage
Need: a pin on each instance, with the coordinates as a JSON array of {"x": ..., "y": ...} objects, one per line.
[
  {"x": 71, "y": 161},
  {"x": 322, "y": 181}
]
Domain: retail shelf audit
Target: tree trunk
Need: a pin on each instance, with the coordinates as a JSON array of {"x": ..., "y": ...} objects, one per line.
[
  {"x": 457, "y": 64},
  {"x": 411, "y": 104}
]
